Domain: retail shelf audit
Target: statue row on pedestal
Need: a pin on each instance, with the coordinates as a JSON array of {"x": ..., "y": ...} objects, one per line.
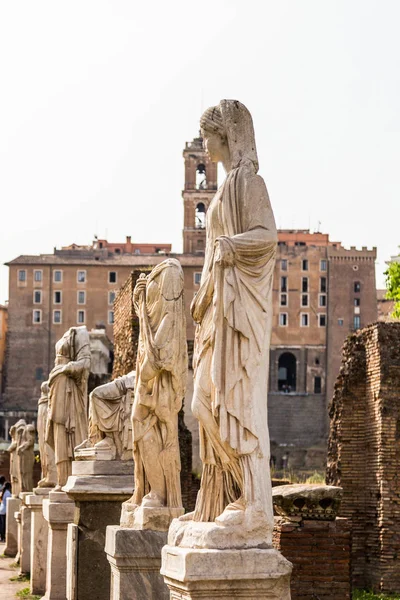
[{"x": 138, "y": 413}]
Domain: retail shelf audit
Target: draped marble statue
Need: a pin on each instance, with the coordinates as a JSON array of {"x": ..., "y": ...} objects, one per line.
[
  {"x": 110, "y": 429},
  {"x": 233, "y": 312},
  {"x": 15, "y": 434},
  {"x": 161, "y": 372},
  {"x": 47, "y": 458},
  {"x": 67, "y": 423},
  {"x": 26, "y": 456}
]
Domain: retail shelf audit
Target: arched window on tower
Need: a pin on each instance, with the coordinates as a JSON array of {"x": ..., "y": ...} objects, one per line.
[
  {"x": 287, "y": 372},
  {"x": 201, "y": 178},
  {"x": 200, "y": 216}
]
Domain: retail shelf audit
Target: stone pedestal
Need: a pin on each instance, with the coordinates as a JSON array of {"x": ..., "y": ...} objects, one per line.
[
  {"x": 11, "y": 548},
  {"x": 135, "y": 559},
  {"x": 17, "y": 517},
  {"x": 58, "y": 510},
  {"x": 98, "y": 489},
  {"x": 39, "y": 539},
  {"x": 210, "y": 574},
  {"x": 25, "y": 535}
]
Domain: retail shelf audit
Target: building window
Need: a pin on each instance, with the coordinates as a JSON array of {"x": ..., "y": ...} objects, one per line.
[
  {"x": 37, "y": 276},
  {"x": 81, "y": 276},
  {"x": 22, "y": 276},
  {"x": 112, "y": 277},
  {"x": 137, "y": 250},
  {"x": 322, "y": 320},
  {"x": 304, "y": 319},
  {"x": 81, "y": 297},
  {"x": 357, "y": 287},
  {"x": 197, "y": 278},
  {"x": 284, "y": 264},
  {"x": 304, "y": 299},
  {"x": 323, "y": 265},
  {"x": 357, "y": 321},
  {"x": 37, "y": 297},
  {"x": 340, "y": 322},
  {"x": 304, "y": 284},
  {"x": 110, "y": 317},
  {"x": 283, "y": 284},
  {"x": 322, "y": 285},
  {"x": 322, "y": 300},
  {"x": 56, "y": 316},
  {"x": 37, "y": 316},
  {"x": 304, "y": 264},
  {"x": 283, "y": 319},
  {"x": 57, "y": 277},
  {"x": 111, "y": 297},
  {"x": 81, "y": 316},
  {"x": 57, "y": 297},
  {"x": 317, "y": 385},
  {"x": 287, "y": 372},
  {"x": 357, "y": 301},
  {"x": 284, "y": 300}
]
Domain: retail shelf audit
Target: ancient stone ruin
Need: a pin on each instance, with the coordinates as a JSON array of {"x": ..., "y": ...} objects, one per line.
[{"x": 364, "y": 453}]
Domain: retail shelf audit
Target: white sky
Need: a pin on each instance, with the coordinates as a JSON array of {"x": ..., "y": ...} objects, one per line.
[{"x": 97, "y": 99}]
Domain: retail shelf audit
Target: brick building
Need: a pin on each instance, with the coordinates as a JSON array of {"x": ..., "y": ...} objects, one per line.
[
  {"x": 321, "y": 293},
  {"x": 3, "y": 338}
]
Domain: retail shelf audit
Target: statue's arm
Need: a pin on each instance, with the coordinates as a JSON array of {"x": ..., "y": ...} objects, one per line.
[{"x": 12, "y": 447}]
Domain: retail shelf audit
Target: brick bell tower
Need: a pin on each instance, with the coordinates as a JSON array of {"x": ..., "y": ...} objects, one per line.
[{"x": 200, "y": 187}]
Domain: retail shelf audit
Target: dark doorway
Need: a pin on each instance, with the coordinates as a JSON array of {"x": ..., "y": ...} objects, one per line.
[{"x": 287, "y": 372}]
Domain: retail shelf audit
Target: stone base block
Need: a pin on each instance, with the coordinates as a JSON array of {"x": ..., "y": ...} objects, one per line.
[
  {"x": 39, "y": 539},
  {"x": 98, "y": 489},
  {"x": 210, "y": 574},
  {"x": 135, "y": 559},
  {"x": 25, "y": 551},
  {"x": 148, "y": 517},
  {"x": 11, "y": 548},
  {"x": 58, "y": 510}
]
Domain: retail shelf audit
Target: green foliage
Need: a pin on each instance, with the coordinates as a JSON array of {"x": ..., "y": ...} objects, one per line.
[
  {"x": 26, "y": 593},
  {"x": 364, "y": 595},
  {"x": 393, "y": 287},
  {"x": 20, "y": 578},
  {"x": 316, "y": 477}
]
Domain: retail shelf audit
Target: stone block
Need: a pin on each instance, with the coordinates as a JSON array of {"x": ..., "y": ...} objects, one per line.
[
  {"x": 11, "y": 548},
  {"x": 135, "y": 559},
  {"x": 25, "y": 550},
  {"x": 39, "y": 540},
  {"x": 98, "y": 492},
  {"x": 210, "y": 574}
]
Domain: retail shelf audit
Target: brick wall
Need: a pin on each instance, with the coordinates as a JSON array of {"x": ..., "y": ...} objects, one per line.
[
  {"x": 364, "y": 452},
  {"x": 320, "y": 553}
]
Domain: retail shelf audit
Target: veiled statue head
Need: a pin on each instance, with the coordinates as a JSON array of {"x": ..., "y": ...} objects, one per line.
[{"x": 228, "y": 134}]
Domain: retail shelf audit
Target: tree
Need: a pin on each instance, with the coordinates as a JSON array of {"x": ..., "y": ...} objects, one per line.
[{"x": 393, "y": 287}]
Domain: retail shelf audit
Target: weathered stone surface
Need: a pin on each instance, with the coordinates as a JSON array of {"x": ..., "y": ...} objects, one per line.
[
  {"x": 39, "y": 541},
  {"x": 135, "y": 559},
  {"x": 58, "y": 510},
  {"x": 142, "y": 517},
  {"x": 309, "y": 501},
  {"x": 98, "y": 498},
  {"x": 11, "y": 548},
  {"x": 26, "y": 524},
  {"x": 210, "y": 574}
]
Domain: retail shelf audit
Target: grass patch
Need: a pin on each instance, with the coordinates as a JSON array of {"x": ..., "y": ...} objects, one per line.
[
  {"x": 364, "y": 595},
  {"x": 26, "y": 593},
  {"x": 20, "y": 578},
  {"x": 14, "y": 565}
]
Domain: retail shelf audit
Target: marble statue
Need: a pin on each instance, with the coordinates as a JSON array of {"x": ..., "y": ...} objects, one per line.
[
  {"x": 233, "y": 312},
  {"x": 161, "y": 372},
  {"x": 67, "y": 423},
  {"x": 26, "y": 456},
  {"x": 110, "y": 429},
  {"x": 47, "y": 458},
  {"x": 12, "y": 450}
]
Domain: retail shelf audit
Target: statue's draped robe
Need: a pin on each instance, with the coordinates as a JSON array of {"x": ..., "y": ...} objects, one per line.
[
  {"x": 109, "y": 410},
  {"x": 233, "y": 309},
  {"x": 67, "y": 424},
  {"x": 162, "y": 319},
  {"x": 47, "y": 459}
]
